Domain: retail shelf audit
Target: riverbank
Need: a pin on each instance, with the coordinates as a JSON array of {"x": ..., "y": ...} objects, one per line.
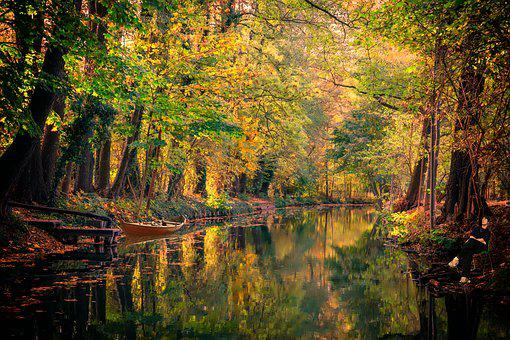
[
  {"x": 432, "y": 250},
  {"x": 21, "y": 241}
]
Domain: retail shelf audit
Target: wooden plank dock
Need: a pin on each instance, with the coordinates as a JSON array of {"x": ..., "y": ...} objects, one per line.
[
  {"x": 100, "y": 226},
  {"x": 72, "y": 231},
  {"x": 43, "y": 224}
]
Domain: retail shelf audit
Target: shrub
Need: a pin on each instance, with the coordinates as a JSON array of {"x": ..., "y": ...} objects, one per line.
[
  {"x": 405, "y": 224},
  {"x": 219, "y": 202},
  {"x": 438, "y": 236}
]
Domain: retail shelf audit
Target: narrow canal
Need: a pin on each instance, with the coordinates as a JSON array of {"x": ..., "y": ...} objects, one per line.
[{"x": 309, "y": 273}]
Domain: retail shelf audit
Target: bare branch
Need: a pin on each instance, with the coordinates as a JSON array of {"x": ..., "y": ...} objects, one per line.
[
  {"x": 377, "y": 96},
  {"x": 333, "y": 16}
]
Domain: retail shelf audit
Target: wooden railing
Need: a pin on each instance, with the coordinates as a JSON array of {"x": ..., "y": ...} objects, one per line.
[{"x": 107, "y": 220}]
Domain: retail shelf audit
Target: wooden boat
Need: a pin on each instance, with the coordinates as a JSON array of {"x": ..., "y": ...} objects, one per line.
[{"x": 152, "y": 228}]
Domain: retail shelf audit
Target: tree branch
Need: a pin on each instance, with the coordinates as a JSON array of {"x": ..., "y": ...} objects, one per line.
[
  {"x": 376, "y": 96},
  {"x": 322, "y": 9}
]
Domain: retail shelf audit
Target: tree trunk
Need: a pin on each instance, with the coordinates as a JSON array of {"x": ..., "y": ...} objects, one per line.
[
  {"x": 434, "y": 140},
  {"x": 103, "y": 174},
  {"x": 175, "y": 185},
  {"x": 263, "y": 178},
  {"x": 86, "y": 167},
  {"x": 327, "y": 178},
  {"x": 50, "y": 145},
  {"x": 128, "y": 154},
  {"x": 413, "y": 190},
  {"x": 66, "y": 183},
  {"x": 434, "y": 160},
  {"x": 134, "y": 178},
  {"x": 19, "y": 152},
  {"x": 202, "y": 178},
  {"x": 150, "y": 192},
  {"x": 460, "y": 183},
  {"x": 243, "y": 180},
  {"x": 31, "y": 186},
  {"x": 36, "y": 182}
]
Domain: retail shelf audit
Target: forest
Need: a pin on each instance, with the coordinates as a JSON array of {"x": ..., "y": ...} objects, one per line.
[
  {"x": 149, "y": 110},
  {"x": 223, "y": 99}
]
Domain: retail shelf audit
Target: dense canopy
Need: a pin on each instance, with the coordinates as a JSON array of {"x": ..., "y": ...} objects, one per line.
[{"x": 290, "y": 98}]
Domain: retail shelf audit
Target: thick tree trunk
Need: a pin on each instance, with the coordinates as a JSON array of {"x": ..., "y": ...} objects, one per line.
[
  {"x": 154, "y": 171},
  {"x": 458, "y": 183},
  {"x": 175, "y": 178},
  {"x": 31, "y": 186},
  {"x": 128, "y": 154},
  {"x": 85, "y": 177},
  {"x": 86, "y": 167},
  {"x": 19, "y": 152},
  {"x": 413, "y": 191},
  {"x": 461, "y": 183},
  {"x": 418, "y": 175},
  {"x": 36, "y": 181},
  {"x": 103, "y": 173},
  {"x": 266, "y": 182},
  {"x": 49, "y": 149},
  {"x": 235, "y": 189}
]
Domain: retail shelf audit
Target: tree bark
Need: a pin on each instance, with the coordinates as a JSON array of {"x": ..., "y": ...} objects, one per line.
[
  {"x": 134, "y": 178},
  {"x": 128, "y": 154},
  {"x": 66, "y": 183},
  {"x": 414, "y": 189},
  {"x": 461, "y": 183},
  {"x": 85, "y": 174},
  {"x": 263, "y": 178},
  {"x": 174, "y": 185},
  {"x": 150, "y": 191},
  {"x": 19, "y": 152},
  {"x": 86, "y": 168},
  {"x": 103, "y": 175},
  {"x": 243, "y": 180},
  {"x": 434, "y": 133},
  {"x": 201, "y": 170},
  {"x": 31, "y": 186},
  {"x": 35, "y": 183},
  {"x": 50, "y": 145}
]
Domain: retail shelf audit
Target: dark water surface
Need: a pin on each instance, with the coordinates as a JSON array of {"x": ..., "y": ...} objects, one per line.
[{"x": 304, "y": 273}]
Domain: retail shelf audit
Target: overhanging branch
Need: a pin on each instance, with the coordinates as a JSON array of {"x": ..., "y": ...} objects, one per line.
[
  {"x": 377, "y": 96},
  {"x": 331, "y": 15}
]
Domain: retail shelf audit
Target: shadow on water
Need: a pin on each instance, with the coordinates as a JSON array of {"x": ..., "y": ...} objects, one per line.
[{"x": 304, "y": 273}]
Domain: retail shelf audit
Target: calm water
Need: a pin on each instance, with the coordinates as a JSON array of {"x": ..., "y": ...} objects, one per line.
[{"x": 304, "y": 273}]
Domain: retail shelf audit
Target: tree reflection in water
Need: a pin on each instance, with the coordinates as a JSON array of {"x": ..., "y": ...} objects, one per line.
[{"x": 304, "y": 274}]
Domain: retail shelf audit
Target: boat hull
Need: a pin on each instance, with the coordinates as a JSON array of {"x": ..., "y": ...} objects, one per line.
[{"x": 148, "y": 230}]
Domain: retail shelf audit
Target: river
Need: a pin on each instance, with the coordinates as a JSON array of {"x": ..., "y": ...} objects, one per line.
[{"x": 308, "y": 273}]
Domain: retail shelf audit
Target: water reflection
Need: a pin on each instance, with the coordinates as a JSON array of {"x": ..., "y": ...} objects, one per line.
[{"x": 302, "y": 274}]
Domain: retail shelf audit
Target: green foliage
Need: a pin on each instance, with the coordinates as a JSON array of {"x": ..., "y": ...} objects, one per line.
[
  {"x": 356, "y": 140},
  {"x": 440, "y": 238},
  {"x": 280, "y": 202},
  {"x": 219, "y": 202},
  {"x": 404, "y": 224},
  {"x": 286, "y": 98}
]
